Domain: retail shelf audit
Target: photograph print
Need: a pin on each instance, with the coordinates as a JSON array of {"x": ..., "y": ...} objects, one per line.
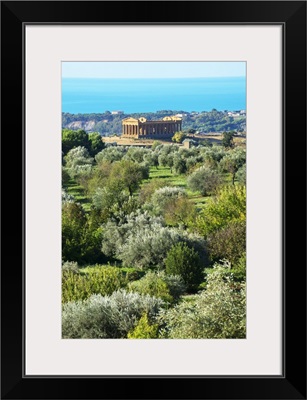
[{"x": 154, "y": 200}]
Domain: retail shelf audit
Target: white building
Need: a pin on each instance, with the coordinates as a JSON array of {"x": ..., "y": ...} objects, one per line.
[{"x": 117, "y": 112}]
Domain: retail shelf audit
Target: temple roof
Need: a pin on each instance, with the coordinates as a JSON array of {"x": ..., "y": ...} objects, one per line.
[{"x": 143, "y": 119}]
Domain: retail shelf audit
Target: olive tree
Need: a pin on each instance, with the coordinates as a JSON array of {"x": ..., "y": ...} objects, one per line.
[
  {"x": 233, "y": 161},
  {"x": 78, "y": 162},
  {"x": 205, "y": 180}
]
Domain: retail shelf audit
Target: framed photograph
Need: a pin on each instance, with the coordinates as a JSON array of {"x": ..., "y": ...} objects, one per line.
[{"x": 158, "y": 182}]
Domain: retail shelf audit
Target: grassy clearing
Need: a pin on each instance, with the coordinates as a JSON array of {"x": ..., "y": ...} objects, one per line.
[
  {"x": 177, "y": 180},
  {"x": 77, "y": 191},
  {"x": 155, "y": 173},
  {"x": 165, "y": 173}
]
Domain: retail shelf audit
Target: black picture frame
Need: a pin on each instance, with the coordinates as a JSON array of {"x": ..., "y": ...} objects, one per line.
[{"x": 292, "y": 16}]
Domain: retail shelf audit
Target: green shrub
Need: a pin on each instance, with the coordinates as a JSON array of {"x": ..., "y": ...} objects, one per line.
[
  {"x": 228, "y": 242},
  {"x": 175, "y": 284},
  {"x": 163, "y": 196},
  {"x": 107, "y": 316},
  {"x": 132, "y": 274},
  {"x": 81, "y": 235},
  {"x": 185, "y": 261},
  {"x": 228, "y": 206},
  {"x": 149, "y": 188},
  {"x": 219, "y": 312},
  {"x": 73, "y": 231},
  {"x": 179, "y": 212},
  {"x": 153, "y": 285},
  {"x": 239, "y": 268},
  {"x": 98, "y": 280},
  {"x": 236, "y": 271},
  {"x": 70, "y": 266},
  {"x": 168, "y": 287},
  {"x": 144, "y": 330},
  {"x": 241, "y": 175}
]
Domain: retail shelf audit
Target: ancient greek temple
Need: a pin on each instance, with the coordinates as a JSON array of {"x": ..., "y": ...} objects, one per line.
[{"x": 141, "y": 128}]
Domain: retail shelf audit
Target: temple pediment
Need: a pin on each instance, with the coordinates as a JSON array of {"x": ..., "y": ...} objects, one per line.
[
  {"x": 129, "y": 119},
  {"x": 172, "y": 118}
]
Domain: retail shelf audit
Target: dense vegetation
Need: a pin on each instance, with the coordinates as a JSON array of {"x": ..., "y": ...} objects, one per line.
[
  {"x": 153, "y": 240},
  {"x": 108, "y": 124}
]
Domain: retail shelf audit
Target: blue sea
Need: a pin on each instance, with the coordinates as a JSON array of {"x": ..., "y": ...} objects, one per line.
[{"x": 92, "y": 95}]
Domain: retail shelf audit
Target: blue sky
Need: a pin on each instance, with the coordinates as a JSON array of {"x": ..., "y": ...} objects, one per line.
[{"x": 152, "y": 69}]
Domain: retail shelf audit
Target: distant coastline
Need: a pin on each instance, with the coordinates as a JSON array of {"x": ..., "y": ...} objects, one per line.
[{"x": 110, "y": 122}]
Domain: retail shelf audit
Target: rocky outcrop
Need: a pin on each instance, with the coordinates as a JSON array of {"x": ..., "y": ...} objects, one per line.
[{"x": 86, "y": 125}]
